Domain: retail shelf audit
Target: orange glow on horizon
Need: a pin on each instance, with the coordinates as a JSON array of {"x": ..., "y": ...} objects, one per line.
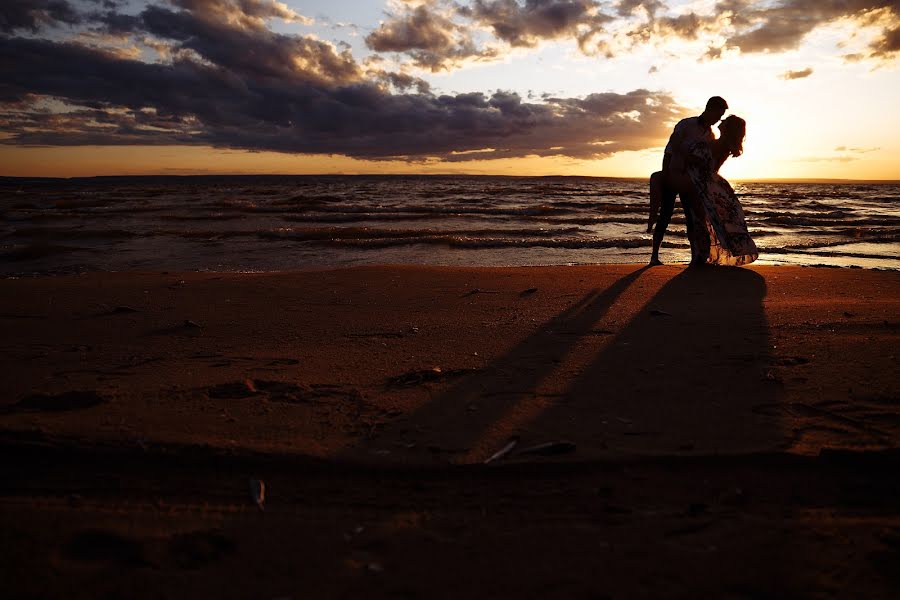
[{"x": 91, "y": 161}]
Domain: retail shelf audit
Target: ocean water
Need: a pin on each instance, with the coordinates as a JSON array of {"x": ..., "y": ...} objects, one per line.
[{"x": 274, "y": 223}]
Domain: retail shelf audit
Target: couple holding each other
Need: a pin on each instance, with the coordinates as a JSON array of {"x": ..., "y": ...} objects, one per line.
[{"x": 715, "y": 221}]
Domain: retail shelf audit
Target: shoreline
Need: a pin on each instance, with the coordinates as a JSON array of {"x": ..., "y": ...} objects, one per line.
[{"x": 760, "y": 263}]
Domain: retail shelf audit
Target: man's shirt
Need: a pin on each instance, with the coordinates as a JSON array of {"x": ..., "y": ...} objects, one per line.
[{"x": 686, "y": 132}]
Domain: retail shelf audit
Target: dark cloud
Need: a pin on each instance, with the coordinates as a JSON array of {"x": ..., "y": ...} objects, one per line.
[
  {"x": 126, "y": 102},
  {"x": 232, "y": 84},
  {"x": 687, "y": 26},
  {"x": 253, "y": 51},
  {"x": 421, "y": 29},
  {"x": 244, "y": 13},
  {"x": 757, "y": 26},
  {"x": 404, "y": 82},
  {"x": 761, "y": 27},
  {"x": 32, "y": 15},
  {"x": 430, "y": 37},
  {"x": 628, "y": 7},
  {"x": 440, "y": 34},
  {"x": 888, "y": 44},
  {"x": 525, "y": 25},
  {"x": 801, "y": 74}
]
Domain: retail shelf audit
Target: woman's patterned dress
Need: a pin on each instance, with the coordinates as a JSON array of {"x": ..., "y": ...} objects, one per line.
[{"x": 719, "y": 213}]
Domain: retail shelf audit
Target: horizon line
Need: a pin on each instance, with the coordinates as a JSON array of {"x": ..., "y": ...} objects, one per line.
[{"x": 7, "y": 178}]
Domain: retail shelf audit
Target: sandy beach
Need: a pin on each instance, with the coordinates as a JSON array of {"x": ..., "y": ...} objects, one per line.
[{"x": 712, "y": 433}]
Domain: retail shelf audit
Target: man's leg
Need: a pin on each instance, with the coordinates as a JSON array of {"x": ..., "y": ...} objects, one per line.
[
  {"x": 679, "y": 182},
  {"x": 667, "y": 207},
  {"x": 686, "y": 201}
]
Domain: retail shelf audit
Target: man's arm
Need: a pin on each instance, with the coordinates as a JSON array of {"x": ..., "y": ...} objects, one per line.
[
  {"x": 677, "y": 139},
  {"x": 684, "y": 140},
  {"x": 675, "y": 147}
]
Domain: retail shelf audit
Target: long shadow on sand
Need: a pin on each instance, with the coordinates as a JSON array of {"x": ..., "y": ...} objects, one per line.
[
  {"x": 692, "y": 374},
  {"x": 448, "y": 424},
  {"x": 689, "y": 373}
]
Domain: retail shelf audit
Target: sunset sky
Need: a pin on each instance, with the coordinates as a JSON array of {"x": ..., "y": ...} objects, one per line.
[{"x": 527, "y": 87}]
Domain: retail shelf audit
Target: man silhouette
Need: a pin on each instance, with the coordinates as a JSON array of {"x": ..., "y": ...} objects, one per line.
[{"x": 673, "y": 179}]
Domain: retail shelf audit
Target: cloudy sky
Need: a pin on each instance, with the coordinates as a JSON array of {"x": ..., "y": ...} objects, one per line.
[{"x": 443, "y": 86}]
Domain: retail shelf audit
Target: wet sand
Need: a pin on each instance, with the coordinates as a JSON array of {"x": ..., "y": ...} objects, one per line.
[{"x": 724, "y": 432}]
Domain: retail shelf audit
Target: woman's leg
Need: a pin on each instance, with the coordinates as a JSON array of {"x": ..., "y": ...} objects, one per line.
[{"x": 697, "y": 231}]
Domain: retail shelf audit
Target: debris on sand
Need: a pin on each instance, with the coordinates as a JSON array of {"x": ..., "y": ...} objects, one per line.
[
  {"x": 124, "y": 309},
  {"x": 189, "y": 323},
  {"x": 660, "y": 313},
  {"x": 504, "y": 451},
  {"x": 411, "y": 378},
  {"x": 549, "y": 448},
  {"x": 233, "y": 390},
  {"x": 258, "y": 493},
  {"x": 474, "y": 291},
  {"x": 527, "y": 292},
  {"x": 283, "y": 362}
]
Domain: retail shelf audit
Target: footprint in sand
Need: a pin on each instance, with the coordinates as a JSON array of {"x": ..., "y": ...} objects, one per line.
[
  {"x": 281, "y": 391},
  {"x": 198, "y": 548},
  {"x": 232, "y": 391},
  {"x": 71, "y": 400},
  {"x": 104, "y": 547},
  {"x": 191, "y": 550}
]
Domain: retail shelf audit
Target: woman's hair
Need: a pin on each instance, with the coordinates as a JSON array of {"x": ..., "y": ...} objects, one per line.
[{"x": 733, "y": 130}]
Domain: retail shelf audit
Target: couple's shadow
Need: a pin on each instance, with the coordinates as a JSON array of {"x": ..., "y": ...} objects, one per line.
[
  {"x": 685, "y": 372},
  {"x": 689, "y": 373}
]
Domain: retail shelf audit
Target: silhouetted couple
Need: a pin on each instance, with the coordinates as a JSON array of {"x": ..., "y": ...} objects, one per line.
[{"x": 715, "y": 221}]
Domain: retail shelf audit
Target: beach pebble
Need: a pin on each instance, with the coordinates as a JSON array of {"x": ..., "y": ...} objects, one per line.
[{"x": 258, "y": 493}]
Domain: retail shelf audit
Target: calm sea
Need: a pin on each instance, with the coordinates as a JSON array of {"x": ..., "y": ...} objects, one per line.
[{"x": 267, "y": 223}]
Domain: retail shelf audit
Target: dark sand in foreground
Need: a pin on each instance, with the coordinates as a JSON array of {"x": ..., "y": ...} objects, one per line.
[{"x": 735, "y": 433}]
